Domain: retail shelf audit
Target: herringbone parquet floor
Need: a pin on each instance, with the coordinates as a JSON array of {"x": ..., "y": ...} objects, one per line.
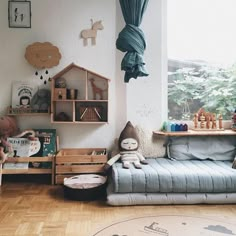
[{"x": 31, "y": 207}]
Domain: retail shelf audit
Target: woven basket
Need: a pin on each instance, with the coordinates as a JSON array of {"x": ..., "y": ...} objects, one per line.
[
  {"x": 90, "y": 113},
  {"x": 85, "y": 187}
]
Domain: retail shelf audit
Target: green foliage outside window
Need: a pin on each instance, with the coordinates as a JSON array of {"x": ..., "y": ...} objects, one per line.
[{"x": 212, "y": 88}]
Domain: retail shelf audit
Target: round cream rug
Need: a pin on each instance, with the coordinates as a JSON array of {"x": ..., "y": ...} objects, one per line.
[{"x": 169, "y": 225}]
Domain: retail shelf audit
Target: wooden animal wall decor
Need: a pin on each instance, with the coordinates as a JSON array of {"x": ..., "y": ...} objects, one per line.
[
  {"x": 91, "y": 33},
  {"x": 42, "y": 56},
  {"x": 96, "y": 90}
]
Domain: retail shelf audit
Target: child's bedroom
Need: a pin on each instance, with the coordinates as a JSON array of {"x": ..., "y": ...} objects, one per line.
[{"x": 117, "y": 117}]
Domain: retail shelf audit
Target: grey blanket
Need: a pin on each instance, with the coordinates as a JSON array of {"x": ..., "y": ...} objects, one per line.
[{"x": 163, "y": 175}]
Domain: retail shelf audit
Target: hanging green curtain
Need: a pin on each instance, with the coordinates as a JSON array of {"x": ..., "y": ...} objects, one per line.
[{"x": 131, "y": 39}]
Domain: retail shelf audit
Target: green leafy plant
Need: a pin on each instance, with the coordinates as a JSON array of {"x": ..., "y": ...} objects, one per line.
[{"x": 210, "y": 87}]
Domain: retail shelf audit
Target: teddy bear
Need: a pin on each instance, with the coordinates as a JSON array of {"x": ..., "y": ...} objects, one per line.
[
  {"x": 5, "y": 151},
  {"x": 8, "y": 128},
  {"x": 128, "y": 145},
  {"x": 41, "y": 100}
]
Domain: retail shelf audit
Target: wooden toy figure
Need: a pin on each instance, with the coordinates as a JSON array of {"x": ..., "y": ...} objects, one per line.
[
  {"x": 208, "y": 121},
  {"x": 233, "y": 125},
  {"x": 220, "y": 122},
  {"x": 195, "y": 120},
  {"x": 202, "y": 121},
  {"x": 213, "y": 121}
]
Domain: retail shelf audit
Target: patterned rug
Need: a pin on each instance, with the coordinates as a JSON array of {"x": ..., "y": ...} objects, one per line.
[{"x": 169, "y": 225}]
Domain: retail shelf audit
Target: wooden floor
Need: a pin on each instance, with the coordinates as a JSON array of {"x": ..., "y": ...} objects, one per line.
[{"x": 32, "y": 207}]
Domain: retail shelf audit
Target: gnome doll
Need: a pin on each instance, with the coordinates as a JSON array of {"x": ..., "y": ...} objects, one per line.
[{"x": 128, "y": 146}]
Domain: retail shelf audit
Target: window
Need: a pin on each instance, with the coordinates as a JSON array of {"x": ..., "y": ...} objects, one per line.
[{"x": 201, "y": 42}]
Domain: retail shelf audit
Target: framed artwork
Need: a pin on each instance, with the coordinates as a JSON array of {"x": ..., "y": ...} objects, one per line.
[{"x": 19, "y": 14}]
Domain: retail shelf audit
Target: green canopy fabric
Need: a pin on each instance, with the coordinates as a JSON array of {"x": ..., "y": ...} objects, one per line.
[{"x": 132, "y": 40}]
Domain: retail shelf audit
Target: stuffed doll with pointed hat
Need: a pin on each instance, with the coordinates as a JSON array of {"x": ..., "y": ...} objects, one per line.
[{"x": 128, "y": 146}]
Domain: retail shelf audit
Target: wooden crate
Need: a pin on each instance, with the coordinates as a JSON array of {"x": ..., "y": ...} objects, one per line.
[{"x": 73, "y": 161}]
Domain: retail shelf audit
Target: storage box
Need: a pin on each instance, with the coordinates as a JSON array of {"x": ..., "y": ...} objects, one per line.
[
  {"x": 90, "y": 113},
  {"x": 59, "y": 93},
  {"x": 72, "y": 161}
]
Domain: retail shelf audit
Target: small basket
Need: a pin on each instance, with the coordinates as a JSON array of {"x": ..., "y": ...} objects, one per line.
[
  {"x": 90, "y": 113},
  {"x": 85, "y": 187}
]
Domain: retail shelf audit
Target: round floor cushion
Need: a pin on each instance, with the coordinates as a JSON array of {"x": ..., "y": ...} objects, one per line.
[{"x": 85, "y": 187}]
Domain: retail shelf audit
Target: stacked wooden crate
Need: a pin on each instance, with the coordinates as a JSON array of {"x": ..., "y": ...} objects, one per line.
[{"x": 74, "y": 161}]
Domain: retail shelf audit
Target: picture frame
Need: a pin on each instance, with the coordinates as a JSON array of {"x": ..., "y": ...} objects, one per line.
[{"x": 19, "y": 14}]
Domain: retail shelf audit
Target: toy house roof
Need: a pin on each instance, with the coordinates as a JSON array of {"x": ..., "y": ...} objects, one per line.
[{"x": 71, "y": 66}]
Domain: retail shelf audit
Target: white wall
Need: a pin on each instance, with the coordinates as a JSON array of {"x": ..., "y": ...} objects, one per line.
[
  {"x": 60, "y": 22},
  {"x": 147, "y": 96}
]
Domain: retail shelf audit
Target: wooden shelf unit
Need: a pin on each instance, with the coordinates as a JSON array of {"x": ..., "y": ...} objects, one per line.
[
  {"x": 90, "y": 94},
  {"x": 197, "y": 133},
  {"x": 29, "y": 170}
]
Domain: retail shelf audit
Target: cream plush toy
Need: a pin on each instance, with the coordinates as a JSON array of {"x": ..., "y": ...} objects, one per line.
[
  {"x": 128, "y": 146},
  {"x": 8, "y": 127},
  {"x": 5, "y": 151}
]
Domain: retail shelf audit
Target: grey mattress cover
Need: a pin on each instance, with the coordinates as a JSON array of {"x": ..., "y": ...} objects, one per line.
[
  {"x": 118, "y": 199},
  {"x": 163, "y": 175}
]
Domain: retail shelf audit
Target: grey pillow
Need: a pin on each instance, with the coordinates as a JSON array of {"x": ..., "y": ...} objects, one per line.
[{"x": 217, "y": 148}]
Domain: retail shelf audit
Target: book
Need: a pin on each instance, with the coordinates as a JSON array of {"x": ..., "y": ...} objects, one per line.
[
  {"x": 43, "y": 145},
  {"x": 24, "y": 147},
  {"x": 22, "y": 93},
  {"x": 95, "y": 152},
  {"x": 19, "y": 165},
  {"x": 47, "y": 139}
]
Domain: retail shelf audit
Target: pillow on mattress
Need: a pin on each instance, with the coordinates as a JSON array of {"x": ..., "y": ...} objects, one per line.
[
  {"x": 151, "y": 146},
  {"x": 217, "y": 148}
]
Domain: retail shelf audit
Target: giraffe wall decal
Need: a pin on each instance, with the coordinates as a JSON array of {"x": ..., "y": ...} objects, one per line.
[{"x": 97, "y": 90}]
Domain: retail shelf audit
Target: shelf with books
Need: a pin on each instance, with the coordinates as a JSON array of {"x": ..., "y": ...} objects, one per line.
[
  {"x": 26, "y": 111},
  {"x": 20, "y": 165},
  {"x": 32, "y": 156}
]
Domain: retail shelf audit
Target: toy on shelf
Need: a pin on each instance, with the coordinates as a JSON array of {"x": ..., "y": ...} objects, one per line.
[
  {"x": 96, "y": 90},
  {"x": 207, "y": 121},
  {"x": 8, "y": 127},
  {"x": 174, "y": 127},
  {"x": 233, "y": 125}
]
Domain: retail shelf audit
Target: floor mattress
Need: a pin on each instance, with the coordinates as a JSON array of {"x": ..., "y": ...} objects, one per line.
[{"x": 163, "y": 175}]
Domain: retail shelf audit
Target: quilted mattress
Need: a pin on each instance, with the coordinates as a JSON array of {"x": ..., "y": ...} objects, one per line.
[{"x": 163, "y": 175}]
